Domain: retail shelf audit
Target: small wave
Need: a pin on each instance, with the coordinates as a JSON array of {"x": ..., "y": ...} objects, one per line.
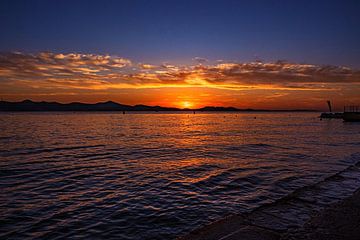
[
  {"x": 199, "y": 169},
  {"x": 29, "y": 151}
]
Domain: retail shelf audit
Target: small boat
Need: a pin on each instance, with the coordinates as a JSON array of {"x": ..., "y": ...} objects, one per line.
[
  {"x": 351, "y": 114},
  {"x": 331, "y": 114},
  {"x": 337, "y": 115}
]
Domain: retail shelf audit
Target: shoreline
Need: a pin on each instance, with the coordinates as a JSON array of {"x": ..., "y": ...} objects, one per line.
[
  {"x": 307, "y": 213},
  {"x": 338, "y": 221}
]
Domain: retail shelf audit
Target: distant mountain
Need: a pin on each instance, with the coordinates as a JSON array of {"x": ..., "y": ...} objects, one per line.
[
  {"x": 28, "y": 105},
  {"x": 153, "y": 108},
  {"x": 227, "y": 109}
]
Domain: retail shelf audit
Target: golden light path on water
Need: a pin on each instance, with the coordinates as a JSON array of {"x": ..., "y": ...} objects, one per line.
[{"x": 147, "y": 176}]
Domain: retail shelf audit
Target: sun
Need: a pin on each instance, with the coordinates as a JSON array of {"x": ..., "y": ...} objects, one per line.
[{"x": 186, "y": 104}]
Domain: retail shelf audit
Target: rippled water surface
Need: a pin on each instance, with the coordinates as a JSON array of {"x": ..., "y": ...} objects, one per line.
[{"x": 156, "y": 176}]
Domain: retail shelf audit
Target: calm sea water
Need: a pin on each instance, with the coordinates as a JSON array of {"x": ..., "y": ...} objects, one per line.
[{"x": 155, "y": 176}]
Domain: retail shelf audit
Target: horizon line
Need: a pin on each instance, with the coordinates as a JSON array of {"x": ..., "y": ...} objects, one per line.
[{"x": 220, "y": 108}]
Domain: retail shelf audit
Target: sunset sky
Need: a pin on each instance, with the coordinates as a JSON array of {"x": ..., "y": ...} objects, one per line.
[{"x": 246, "y": 54}]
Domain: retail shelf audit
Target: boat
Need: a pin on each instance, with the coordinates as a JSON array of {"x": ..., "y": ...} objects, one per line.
[
  {"x": 337, "y": 115},
  {"x": 331, "y": 114},
  {"x": 351, "y": 114}
]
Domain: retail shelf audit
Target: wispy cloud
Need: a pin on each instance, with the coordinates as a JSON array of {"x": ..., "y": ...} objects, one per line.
[
  {"x": 200, "y": 60},
  {"x": 89, "y": 71}
]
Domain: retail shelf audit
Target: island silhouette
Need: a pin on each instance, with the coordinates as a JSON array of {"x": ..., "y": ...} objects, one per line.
[{"x": 32, "y": 106}]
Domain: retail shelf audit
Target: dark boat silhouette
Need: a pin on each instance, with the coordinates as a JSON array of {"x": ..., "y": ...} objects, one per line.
[{"x": 331, "y": 114}]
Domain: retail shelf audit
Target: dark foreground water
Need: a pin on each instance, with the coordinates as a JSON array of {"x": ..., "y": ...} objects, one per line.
[{"x": 155, "y": 176}]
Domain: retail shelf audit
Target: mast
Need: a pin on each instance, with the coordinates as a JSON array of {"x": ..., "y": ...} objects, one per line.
[{"x": 329, "y": 105}]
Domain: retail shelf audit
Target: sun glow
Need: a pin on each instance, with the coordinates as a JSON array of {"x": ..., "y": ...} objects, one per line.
[{"x": 186, "y": 104}]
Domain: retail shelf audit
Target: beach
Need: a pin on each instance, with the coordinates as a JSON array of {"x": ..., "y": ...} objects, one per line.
[{"x": 328, "y": 210}]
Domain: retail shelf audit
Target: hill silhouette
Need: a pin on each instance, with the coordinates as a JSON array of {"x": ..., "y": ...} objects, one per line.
[{"x": 29, "y": 105}]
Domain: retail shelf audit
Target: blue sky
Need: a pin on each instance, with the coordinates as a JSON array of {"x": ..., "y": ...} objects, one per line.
[{"x": 318, "y": 32}]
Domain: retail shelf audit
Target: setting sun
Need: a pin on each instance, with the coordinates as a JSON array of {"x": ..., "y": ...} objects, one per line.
[{"x": 186, "y": 104}]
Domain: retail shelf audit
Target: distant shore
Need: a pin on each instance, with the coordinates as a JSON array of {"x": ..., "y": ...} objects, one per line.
[{"x": 31, "y": 106}]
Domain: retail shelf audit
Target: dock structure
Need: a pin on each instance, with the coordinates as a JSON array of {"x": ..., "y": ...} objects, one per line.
[
  {"x": 351, "y": 108},
  {"x": 351, "y": 113}
]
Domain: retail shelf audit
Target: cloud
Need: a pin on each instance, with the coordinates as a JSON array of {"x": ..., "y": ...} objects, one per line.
[
  {"x": 147, "y": 66},
  {"x": 280, "y": 74},
  {"x": 55, "y": 64},
  {"x": 48, "y": 70},
  {"x": 200, "y": 60}
]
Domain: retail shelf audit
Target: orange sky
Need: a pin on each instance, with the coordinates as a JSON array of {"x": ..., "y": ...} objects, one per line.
[{"x": 93, "y": 78}]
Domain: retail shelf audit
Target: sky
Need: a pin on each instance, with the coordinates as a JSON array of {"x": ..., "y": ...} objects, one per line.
[{"x": 256, "y": 54}]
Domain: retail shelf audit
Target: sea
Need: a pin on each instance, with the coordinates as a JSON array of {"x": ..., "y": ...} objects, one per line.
[{"x": 108, "y": 175}]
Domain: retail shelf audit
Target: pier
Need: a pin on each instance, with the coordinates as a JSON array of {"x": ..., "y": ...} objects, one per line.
[{"x": 351, "y": 114}]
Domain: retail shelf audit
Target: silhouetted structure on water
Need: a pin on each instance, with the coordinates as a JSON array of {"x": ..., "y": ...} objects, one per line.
[
  {"x": 351, "y": 114},
  {"x": 330, "y": 114}
]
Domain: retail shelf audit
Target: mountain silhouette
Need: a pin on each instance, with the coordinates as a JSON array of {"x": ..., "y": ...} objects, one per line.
[{"x": 29, "y": 105}]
